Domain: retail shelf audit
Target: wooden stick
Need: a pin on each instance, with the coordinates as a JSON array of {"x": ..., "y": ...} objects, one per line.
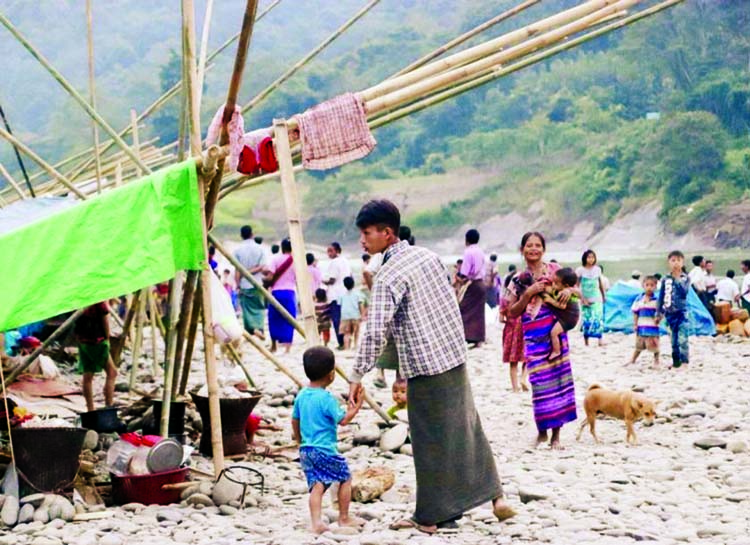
[
  {"x": 186, "y": 307},
  {"x": 116, "y": 351},
  {"x": 12, "y": 182},
  {"x": 260, "y": 347},
  {"x": 467, "y": 36},
  {"x": 257, "y": 285},
  {"x": 307, "y": 58},
  {"x": 54, "y": 336},
  {"x": 423, "y": 87},
  {"x": 92, "y": 93},
  {"x": 195, "y": 316},
  {"x": 41, "y": 162},
  {"x": 155, "y": 323},
  {"x": 71, "y": 90},
  {"x": 212, "y": 382},
  {"x": 482, "y": 50},
  {"x": 138, "y": 340},
  {"x": 294, "y": 224},
  {"x": 169, "y": 363},
  {"x": 238, "y": 360},
  {"x": 204, "y": 49}
]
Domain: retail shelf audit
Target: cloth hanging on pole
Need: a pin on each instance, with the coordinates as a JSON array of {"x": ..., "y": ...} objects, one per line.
[
  {"x": 236, "y": 130},
  {"x": 137, "y": 235},
  {"x": 335, "y": 132}
]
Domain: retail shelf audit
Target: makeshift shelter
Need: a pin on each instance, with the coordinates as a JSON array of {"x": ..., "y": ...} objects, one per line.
[
  {"x": 426, "y": 82},
  {"x": 618, "y": 315}
]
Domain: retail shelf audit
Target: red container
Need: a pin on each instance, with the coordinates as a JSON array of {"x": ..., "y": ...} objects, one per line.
[{"x": 147, "y": 489}]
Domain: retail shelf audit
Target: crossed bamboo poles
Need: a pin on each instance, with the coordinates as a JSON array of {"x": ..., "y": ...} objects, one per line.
[{"x": 422, "y": 84}]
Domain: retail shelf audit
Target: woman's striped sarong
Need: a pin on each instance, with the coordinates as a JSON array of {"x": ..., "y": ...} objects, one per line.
[{"x": 553, "y": 391}]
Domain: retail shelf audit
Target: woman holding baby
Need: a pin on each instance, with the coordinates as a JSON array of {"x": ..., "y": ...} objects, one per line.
[{"x": 553, "y": 392}]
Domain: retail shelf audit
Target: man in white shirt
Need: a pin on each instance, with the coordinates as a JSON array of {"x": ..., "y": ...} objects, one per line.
[
  {"x": 727, "y": 288},
  {"x": 635, "y": 280},
  {"x": 253, "y": 304},
  {"x": 698, "y": 279},
  {"x": 338, "y": 269},
  {"x": 745, "y": 290}
]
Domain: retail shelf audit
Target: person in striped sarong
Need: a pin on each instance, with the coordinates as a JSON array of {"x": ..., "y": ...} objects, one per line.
[{"x": 552, "y": 387}]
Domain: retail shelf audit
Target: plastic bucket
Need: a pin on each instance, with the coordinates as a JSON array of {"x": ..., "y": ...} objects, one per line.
[
  {"x": 147, "y": 489},
  {"x": 48, "y": 458},
  {"x": 234, "y": 413}
]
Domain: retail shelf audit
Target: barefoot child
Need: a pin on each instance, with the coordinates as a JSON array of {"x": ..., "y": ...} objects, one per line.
[
  {"x": 673, "y": 306},
  {"x": 398, "y": 391},
  {"x": 567, "y": 314},
  {"x": 644, "y": 321},
  {"x": 315, "y": 418}
]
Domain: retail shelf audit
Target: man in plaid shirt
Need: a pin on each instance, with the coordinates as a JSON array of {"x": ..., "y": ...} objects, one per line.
[{"x": 412, "y": 299}]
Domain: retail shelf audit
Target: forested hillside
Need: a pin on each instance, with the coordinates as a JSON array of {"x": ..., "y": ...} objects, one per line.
[{"x": 659, "y": 111}]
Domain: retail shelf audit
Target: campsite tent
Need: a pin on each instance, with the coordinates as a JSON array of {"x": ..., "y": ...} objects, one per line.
[{"x": 618, "y": 317}]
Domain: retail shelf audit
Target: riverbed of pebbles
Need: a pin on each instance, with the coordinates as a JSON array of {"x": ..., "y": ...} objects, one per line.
[{"x": 687, "y": 481}]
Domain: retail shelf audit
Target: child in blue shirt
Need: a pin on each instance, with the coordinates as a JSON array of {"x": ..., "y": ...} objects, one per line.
[
  {"x": 315, "y": 419},
  {"x": 672, "y": 305}
]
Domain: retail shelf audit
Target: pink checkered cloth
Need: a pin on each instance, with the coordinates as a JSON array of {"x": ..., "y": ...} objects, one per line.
[
  {"x": 334, "y": 133},
  {"x": 236, "y": 130}
]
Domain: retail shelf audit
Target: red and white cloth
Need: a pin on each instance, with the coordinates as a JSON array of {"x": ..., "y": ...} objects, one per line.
[
  {"x": 335, "y": 132},
  {"x": 236, "y": 130}
]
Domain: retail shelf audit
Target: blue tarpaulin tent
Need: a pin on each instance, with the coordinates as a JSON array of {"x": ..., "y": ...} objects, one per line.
[{"x": 618, "y": 316}]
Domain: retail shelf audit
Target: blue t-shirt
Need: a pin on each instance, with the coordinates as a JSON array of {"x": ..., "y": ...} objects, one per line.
[
  {"x": 349, "y": 303},
  {"x": 319, "y": 415}
]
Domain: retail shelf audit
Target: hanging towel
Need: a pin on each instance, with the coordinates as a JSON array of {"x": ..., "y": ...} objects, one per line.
[
  {"x": 267, "y": 155},
  {"x": 250, "y": 157},
  {"x": 236, "y": 129},
  {"x": 334, "y": 133}
]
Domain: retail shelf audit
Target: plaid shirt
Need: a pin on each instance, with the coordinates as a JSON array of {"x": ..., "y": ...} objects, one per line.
[{"x": 412, "y": 298}]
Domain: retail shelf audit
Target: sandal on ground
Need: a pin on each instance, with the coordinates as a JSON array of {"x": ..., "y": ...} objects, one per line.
[
  {"x": 409, "y": 524},
  {"x": 503, "y": 511},
  {"x": 379, "y": 383},
  {"x": 447, "y": 525}
]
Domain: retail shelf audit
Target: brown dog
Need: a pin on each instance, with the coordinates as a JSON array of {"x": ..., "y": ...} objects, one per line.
[{"x": 628, "y": 406}]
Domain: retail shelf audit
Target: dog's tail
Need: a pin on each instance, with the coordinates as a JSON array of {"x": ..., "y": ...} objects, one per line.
[{"x": 594, "y": 387}]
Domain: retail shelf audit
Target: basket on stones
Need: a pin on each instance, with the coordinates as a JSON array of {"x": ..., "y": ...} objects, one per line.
[
  {"x": 235, "y": 408},
  {"x": 47, "y": 458}
]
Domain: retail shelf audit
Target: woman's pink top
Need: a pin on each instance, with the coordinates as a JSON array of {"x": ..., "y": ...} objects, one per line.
[{"x": 286, "y": 281}]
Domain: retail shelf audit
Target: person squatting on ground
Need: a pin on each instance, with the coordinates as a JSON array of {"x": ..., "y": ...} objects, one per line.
[
  {"x": 92, "y": 333},
  {"x": 644, "y": 321},
  {"x": 315, "y": 419},
  {"x": 412, "y": 299},
  {"x": 673, "y": 307}
]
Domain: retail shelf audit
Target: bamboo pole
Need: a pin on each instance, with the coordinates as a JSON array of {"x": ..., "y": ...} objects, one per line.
[
  {"x": 41, "y": 162},
  {"x": 423, "y": 87},
  {"x": 116, "y": 351},
  {"x": 134, "y": 132},
  {"x": 501, "y": 71},
  {"x": 186, "y": 307},
  {"x": 118, "y": 174},
  {"x": 71, "y": 90},
  {"x": 138, "y": 340},
  {"x": 12, "y": 182},
  {"x": 154, "y": 321},
  {"x": 294, "y": 224},
  {"x": 257, "y": 285},
  {"x": 258, "y": 345},
  {"x": 204, "y": 49},
  {"x": 482, "y": 50},
  {"x": 156, "y": 105},
  {"x": 238, "y": 360},
  {"x": 466, "y": 36},
  {"x": 212, "y": 382},
  {"x": 307, "y": 58},
  {"x": 92, "y": 93},
  {"x": 52, "y": 338}
]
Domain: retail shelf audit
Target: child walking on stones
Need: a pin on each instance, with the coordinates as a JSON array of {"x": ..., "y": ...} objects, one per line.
[
  {"x": 315, "y": 418},
  {"x": 323, "y": 315},
  {"x": 673, "y": 306},
  {"x": 644, "y": 321}
]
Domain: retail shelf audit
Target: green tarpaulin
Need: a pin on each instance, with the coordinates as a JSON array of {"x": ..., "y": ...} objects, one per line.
[{"x": 116, "y": 243}]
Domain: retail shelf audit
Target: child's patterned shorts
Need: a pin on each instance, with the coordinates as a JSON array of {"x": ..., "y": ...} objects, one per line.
[{"x": 322, "y": 467}]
